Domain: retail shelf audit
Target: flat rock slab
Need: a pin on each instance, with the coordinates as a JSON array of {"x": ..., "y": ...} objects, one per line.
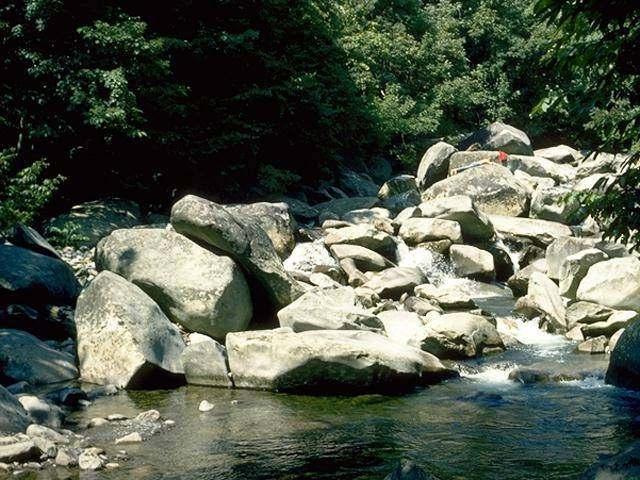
[{"x": 327, "y": 362}]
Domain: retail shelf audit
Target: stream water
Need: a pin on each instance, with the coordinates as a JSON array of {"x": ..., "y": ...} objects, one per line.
[{"x": 481, "y": 426}]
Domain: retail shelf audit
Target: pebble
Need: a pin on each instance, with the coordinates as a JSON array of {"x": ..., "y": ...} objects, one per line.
[
  {"x": 234, "y": 402},
  {"x": 148, "y": 416},
  {"x": 133, "y": 437},
  {"x": 116, "y": 417},
  {"x": 97, "y": 422},
  {"x": 112, "y": 465},
  {"x": 169, "y": 423},
  {"x": 205, "y": 406}
]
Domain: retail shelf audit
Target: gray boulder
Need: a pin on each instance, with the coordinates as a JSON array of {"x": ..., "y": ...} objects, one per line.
[
  {"x": 364, "y": 259},
  {"x": 242, "y": 239},
  {"x": 91, "y": 221},
  {"x": 617, "y": 320},
  {"x": 205, "y": 362},
  {"x": 555, "y": 204},
  {"x": 563, "y": 247},
  {"x": 472, "y": 262},
  {"x": 492, "y": 187},
  {"x": 540, "y": 232},
  {"x": 124, "y": 339},
  {"x": 434, "y": 164},
  {"x": 25, "y": 358},
  {"x": 327, "y": 361},
  {"x": 541, "y": 167},
  {"x": 27, "y": 237},
  {"x": 32, "y": 278},
  {"x": 474, "y": 225},
  {"x": 585, "y": 313},
  {"x": 13, "y": 417},
  {"x": 575, "y": 267},
  {"x": 559, "y": 154},
  {"x": 367, "y": 215},
  {"x": 624, "y": 364},
  {"x": 393, "y": 282},
  {"x": 362, "y": 235},
  {"x": 328, "y": 309},
  {"x": 399, "y": 193},
  {"x": 419, "y": 230},
  {"x": 613, "y": 283},
  {"x": 460, "y": 335},
  {"x": 275, "y": 219},
  {"x": 500, "y": 136},
  {"x": 195, "y": 288}
]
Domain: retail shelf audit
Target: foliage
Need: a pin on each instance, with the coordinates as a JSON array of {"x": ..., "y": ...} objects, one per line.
[
  {"x": 596, "y": 51},
  {"x": 23, "y": 193},
  {"x": 69, "y": 235}
]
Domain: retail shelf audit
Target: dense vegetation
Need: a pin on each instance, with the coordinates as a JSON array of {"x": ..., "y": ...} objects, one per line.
[{"x": 240, "y": 98}]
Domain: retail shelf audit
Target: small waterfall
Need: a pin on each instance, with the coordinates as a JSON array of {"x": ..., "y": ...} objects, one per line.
[
  {"x": 433, "y": 265},
  {"x": 515, "y": 256}
]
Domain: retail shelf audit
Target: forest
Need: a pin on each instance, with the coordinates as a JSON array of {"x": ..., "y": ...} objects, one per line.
[{"x": 243, "y": 99}]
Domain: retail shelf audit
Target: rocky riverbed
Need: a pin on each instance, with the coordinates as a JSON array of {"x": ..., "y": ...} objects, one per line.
[{"x": 469, "y": 309}]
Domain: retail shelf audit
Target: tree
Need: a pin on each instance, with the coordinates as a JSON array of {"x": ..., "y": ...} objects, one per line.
[{"x": 597, "y": 52}]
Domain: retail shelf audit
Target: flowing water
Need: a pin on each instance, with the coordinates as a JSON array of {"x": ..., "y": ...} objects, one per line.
[{"x": 481, "y": 426}]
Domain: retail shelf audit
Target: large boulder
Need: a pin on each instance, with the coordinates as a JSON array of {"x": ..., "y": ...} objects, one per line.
[
  {"x": 367, "y": 215},
  {"x": 492, "y": 187},
  {"x": 543, "y": 299},
  {"x": 541, "y": 167},
  {"x": 25, "y": 358},
  {"x": 563, "y": 247},
  {"x": 434, "y": 164},
  {"x": 500, "y": 136},
  {"x": 399, "y": 193},
  {"x": 327, "y": 361},
  {"x": 472, "y": 262},
  {"x": 27, "y": 237},
  {"x": 614, "y": 283},
  {"x": 195, "y": 288},
  {"x": 393, "y": 282},
  {"x": 624, "y": 364},
  {"x": 32, "y": 278},
  {"x": 205, "y": 362},
  {"x": 124, "y": 339},
  {"x": 362, "y": 235},
  {"x": 328, "y": 309},
  {"x": 13, "y": 416},
  {"x": 363, "y": 258},
  {"x": 540, "y": 232},
  {"x": 556, "y": 205},
  {"x": 238, "y": 236},
  {"x": 90, "y": 221},
  {"x": 559, "y": 154},
  {"x": 468, "y": 294},
  {"x": 418, "y": 230},
  {"x": 459, "y": 335},
  {"x": 575, "y": 267},
  {"x": 275, "y": 219},
  {"x": 357, "y": 183},
  {"x": 475, "y": 226}
]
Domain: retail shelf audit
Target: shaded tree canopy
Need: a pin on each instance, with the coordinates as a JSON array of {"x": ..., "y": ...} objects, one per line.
[{"x": 240, "y": 99}]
